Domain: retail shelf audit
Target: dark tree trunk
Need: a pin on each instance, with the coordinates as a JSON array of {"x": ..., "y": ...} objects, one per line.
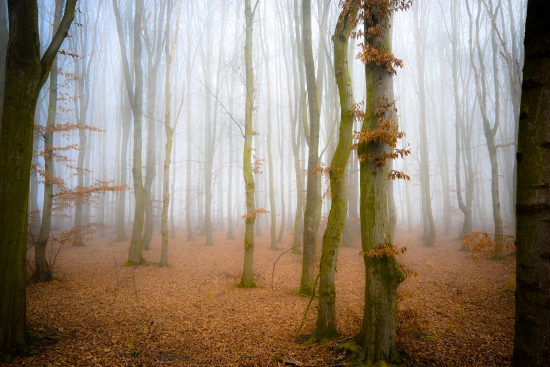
[
  {"x": 26, "y": 73},
  {"x": 532, "y": 330}
]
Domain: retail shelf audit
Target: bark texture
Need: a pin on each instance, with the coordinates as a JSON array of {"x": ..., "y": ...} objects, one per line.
[
  {"x": 532, "y": 329},
  {"x": 326, "y": 317},
  {"x": 26, "y": 73}
]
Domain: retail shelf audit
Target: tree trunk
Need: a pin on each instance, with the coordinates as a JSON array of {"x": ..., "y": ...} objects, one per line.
[
  {"x": 419, "y": 32},
  {"x": 26, "y": 73},
  {"x": 134, "y": 87},
  {"x": 310, "y": 228},
  {"x": 3, "y": 49},
  {"x": 532, "y": 329},
  {"x": 326, "y": 318},
  {"x": 247, "y": 280},
  {"x": 382, "y": 273}
]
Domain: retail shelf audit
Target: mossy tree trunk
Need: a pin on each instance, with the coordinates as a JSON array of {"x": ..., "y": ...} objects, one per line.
[
  {"x": 532, "y": 329},
  {"x": 312, "y": 138},
  {"x": 382, "y": 273},
  {"x": 326, "y": 317},
  {"x": 26, "y": 73},
  {"x": 134, "y": 86},
  {"x": 247, "y": 280}
]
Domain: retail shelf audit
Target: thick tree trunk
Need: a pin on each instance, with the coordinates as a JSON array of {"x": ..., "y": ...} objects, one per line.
[
  {"x": 247, "y": 280},
  {"x": 382, "y": 273},
  {"x": 532, "y": 329},
  {"x": 326, "y": 318},
  {"x": 26, "y": 73}
]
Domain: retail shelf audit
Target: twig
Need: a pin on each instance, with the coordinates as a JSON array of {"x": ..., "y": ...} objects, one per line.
[
  {"x": 307, "y": 309},
  {"x": 275, "y": 263}
]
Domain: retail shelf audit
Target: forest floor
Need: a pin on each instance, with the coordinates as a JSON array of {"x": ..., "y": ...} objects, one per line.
[{"x": 455, "y": 312}]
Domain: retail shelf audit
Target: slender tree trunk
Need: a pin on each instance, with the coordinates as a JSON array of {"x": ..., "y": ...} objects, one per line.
[
  {"x": 310, "y": 229},
  {"x": 247, "y": 280},
  {"x": 419, "y": 32},
  {"x": 326, "y": 318},
  {"x": 532, "y": 328},
  {"x": 3, "y": 49},
  {"x": 134, "y": 87}
]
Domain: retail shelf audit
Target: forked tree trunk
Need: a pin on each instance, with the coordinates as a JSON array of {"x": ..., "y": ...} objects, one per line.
[
  {"x": 134, "y": 87},
  {"x": 532, "y": 329}
]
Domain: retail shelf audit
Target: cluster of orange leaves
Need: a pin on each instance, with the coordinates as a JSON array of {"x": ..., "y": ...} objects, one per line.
[
  {"x": 384, "y": 250},
  {"x": 481, "y": 244},
  {"x": 257, "y": 165},
  {"x": 254, "y": 213}
]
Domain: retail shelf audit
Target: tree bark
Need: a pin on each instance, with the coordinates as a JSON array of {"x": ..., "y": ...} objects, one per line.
[
  {"x": 26, "y": 73},
  {"x": 382, "y": 274},
  {"x": 247, "y": 280},
  {"x": 326, "y": 317},
  {"x": 532, "y": 328}
]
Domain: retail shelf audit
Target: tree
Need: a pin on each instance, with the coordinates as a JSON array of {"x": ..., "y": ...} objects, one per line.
[
  {"x": 532, "y": 328},
  {"x": 377, "y": 146},
  {"x": 134, "y": 86},
  {"x": 312, "y": 138},
  {"x": 247, "y": 280},
  {"x": 26, "y": 73},
  {"x": 169, "y": 50},
  {"x": 326, "y": 317}
]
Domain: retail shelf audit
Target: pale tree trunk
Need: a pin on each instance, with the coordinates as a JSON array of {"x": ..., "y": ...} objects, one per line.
[
  {"x": 169, "y": 50},
  {"x": 299, "y": 124},
  {"x": 310, "y": 228},
  {"x": 489, "y": 131},
  {"x": 420, "y": 36},
  {"x": 382, "y": 273},
  {"x": 272, "y": 208},
  {"x": 42, "y": 271},
  {"x": 154, "y": 50},
  {"x": 532, "y": 329},
  {"x": 188, "y": 68},
  {"x": 326, "y": 317},
  {"x": 26, "y": 73},
  {"x": 134, "y": 87},
  {"x": 464, "y": 201},
  {"x": 82, "y": 101},
  {"x": 247, "y": 280},
  {"x": 120, "y": 223}
]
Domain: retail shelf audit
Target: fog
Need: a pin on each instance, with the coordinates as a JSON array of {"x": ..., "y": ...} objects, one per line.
[
  {"x": 207, "y": 87},
  {"x": 174, "y": 122}
]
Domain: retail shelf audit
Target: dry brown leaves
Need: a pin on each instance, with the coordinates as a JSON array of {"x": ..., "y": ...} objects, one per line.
[{"x": 454, "y": 313}]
